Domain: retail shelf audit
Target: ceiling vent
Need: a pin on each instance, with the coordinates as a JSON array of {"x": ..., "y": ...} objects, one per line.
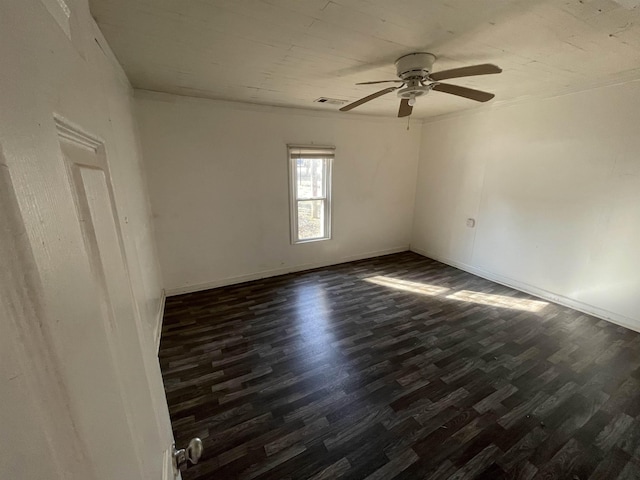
[{"x": 330, "y": 101}]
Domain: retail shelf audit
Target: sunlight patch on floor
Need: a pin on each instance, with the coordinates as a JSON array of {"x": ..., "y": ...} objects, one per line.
[
  {"x": 406, "y": 285},
  {"x": 498, "y": 300},
  {"x": 489, "y": 299}
]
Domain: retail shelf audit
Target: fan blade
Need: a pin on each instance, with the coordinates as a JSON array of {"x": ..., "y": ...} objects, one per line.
[
  {"x": 465, "y": 92},
  {"x": 484, "y": 69},
  {"x": 405, "y": 109},
  {"x": 357, "y": 103},
  {"x": 381, "y": 81}
]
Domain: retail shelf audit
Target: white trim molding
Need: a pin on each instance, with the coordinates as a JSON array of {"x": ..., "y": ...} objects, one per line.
[
  {"x": 607, "y": 315},
  {"x": 198, "y": 287},
  {"x": 160, "y": 318},
  {"x": 73, "y": 133}
]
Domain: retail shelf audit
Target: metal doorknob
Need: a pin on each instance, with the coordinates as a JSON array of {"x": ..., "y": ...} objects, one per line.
[{"x": 192, "y": 453}]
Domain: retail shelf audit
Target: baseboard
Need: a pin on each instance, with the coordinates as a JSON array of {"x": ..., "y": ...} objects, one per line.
[
  {"x": 158, "y": 332},
  {"x": 279, "y": 271},
  {"x": 607, "y": 315}
]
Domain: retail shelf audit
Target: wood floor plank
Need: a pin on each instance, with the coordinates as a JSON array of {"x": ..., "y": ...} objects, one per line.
[{"x": 398, "y": 367}]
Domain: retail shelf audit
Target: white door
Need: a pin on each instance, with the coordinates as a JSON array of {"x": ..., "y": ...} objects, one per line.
[
  {"x": 82, "y": 398},
  {"x": 131, "y": 414}
]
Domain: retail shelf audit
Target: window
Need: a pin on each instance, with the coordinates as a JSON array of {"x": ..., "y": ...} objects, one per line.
[{"x": 310, "y": 192}]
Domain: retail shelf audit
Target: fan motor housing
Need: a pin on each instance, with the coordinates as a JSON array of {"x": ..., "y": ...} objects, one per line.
[{"x": 415, "y": 65}]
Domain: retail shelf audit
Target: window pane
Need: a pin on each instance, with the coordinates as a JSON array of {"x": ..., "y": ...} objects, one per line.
[
  {"x": 310, "y": 178},
  {"x": 310, "y": 219}
]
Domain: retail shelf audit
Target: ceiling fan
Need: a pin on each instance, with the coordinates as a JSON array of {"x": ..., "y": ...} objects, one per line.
[{"x": 416, "y": 79}]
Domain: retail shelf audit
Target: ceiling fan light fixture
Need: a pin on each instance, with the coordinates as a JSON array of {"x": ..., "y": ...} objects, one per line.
[
  {"x": 412, "y": 100},
  {"x": 414, "y": 90}
]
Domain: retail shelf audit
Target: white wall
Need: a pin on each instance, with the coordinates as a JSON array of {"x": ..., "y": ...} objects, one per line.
[
  {"x": 555, "y": 188},
  {"x": 218, "y": 182},
  {"x": 49, "y": 307}
]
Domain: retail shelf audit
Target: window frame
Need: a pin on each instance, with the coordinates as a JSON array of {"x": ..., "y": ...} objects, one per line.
[{"x": 326, "y": 153}]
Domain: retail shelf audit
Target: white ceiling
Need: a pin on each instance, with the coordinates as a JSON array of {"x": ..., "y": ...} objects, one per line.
[{"x": 290, "y": 52}]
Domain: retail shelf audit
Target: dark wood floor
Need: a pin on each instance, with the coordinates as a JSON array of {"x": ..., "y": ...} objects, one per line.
[{"x": 398, "y": 367}]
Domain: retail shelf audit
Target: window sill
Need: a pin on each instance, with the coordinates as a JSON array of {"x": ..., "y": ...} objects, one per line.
[{"x": 310, "y": 240}]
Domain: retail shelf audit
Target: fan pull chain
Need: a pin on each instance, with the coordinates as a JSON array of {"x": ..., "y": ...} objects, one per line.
[{"x": 408, "y": 122}]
